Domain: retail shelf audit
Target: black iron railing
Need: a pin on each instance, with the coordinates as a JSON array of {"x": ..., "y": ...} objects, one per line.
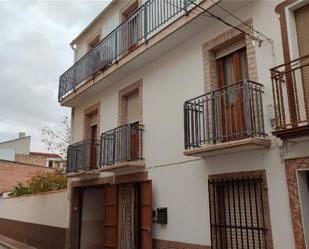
[
  {"x": 141, "y": 25},
  {"x": 122, "y": 144},
  {"x": 237, "y": 218},
  {"x": 290, "y": 85},
  {"x": 83, "y": 155},
  {"x": 229, "y": 113}
]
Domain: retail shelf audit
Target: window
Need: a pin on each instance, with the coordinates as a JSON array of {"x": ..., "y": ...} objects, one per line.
[
  {"x": 130, "y": 103},
  {"x": 94, "y": 42},
  {"x": 133, "y": 114},
  {"x": 232, "y": 68},
  {"x": 130, "y": 31},
  {"x": 50, "y": 164},
  {"x": 237, "y": 213}
]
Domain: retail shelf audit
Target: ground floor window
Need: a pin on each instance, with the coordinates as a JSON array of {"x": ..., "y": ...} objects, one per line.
[{"x": 237, "y": 212}]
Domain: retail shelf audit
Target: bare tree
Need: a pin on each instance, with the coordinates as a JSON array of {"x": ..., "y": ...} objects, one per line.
[{"x": 57, "y": 139}]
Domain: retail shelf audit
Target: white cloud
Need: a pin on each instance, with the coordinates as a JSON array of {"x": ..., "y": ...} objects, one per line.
[{"x": 34, "y": 52}]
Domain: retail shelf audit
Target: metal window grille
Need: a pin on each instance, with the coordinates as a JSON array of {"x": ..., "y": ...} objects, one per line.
[{"x": 237, "y": 219}]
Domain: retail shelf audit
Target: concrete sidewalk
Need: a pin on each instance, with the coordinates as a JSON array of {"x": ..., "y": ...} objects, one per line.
[{"x": 7, "y": 243}]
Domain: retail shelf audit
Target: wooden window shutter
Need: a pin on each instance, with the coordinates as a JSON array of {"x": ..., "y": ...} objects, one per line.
[
  {"x": 111, "y": 217},
  {"x": 302, "y": 24},
  {"x": 133, "y": 114},
  {"x": 146, "y": 210}
]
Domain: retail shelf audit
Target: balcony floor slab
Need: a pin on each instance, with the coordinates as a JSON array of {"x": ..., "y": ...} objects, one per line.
[
  {"x": 294, "y": 133},
  {"x": 124, "y": 165},
  {"x": 84, "y": 172},
  {"x": 240, "y": 145}
]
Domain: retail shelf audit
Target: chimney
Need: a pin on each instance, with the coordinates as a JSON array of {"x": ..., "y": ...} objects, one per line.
[{"x": 21, "y": 134}]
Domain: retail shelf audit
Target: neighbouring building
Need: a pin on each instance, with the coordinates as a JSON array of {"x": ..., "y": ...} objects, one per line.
[
  {"x": 12, "y": 173},
  {"x": 19, "y": 145},
  {"x": 190, "y": 126},
  {"x": 18, "y": 150}
]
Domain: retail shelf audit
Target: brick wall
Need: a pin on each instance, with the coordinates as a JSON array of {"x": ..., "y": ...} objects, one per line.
[
  {"x": 31, "y": 159},
  {"x": 12, "y": 173},
  {"x": 222, "y": 41}
]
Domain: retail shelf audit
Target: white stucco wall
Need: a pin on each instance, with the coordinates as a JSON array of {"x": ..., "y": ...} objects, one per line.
[
  {"x": 19, "y": 145},
  {"x": 50, "y": 209},
  {"x": 7, "y": 154},
  {"x": 179, "y": 182}
]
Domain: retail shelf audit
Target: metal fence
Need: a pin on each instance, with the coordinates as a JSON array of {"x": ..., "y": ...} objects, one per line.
[
  {"x": 141, "y": 25},
  {"x": 83, "y": 155},
  {"x": 290, "y": 85},
  {"x": 237, "y": 218},
  {"x": 229, "y": 113},
  {"x": 122, "y": 144}
]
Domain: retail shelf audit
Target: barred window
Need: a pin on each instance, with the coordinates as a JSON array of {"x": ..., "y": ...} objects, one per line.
[{"x": 237, "y": 213}]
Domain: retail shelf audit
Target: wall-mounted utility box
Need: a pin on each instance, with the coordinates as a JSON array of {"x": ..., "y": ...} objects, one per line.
[{"x": 162, "y": 215}]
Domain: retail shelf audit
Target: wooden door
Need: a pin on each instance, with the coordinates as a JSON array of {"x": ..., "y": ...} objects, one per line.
[
  {"x": 93, "y": 147},
  {"x": 111, "y": 218},
  {"x": 146, "y": 213},
  {"x": 135, "y": 140},
  {"x": 231, "y": 70}
]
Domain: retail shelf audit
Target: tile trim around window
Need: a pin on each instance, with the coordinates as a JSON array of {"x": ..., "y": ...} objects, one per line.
[
  {"x": 222, "y": 41},
  {"x": 291, "y": 168}
]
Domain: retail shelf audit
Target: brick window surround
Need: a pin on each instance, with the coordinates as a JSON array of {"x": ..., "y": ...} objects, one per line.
[
  {"x": 256, "y": 173},
  {"x": 136, "y": 87},
  {"x": 91, "y": 111},
  {"x": 224, "y": 40},
  {"x": 292, "y": 166}
]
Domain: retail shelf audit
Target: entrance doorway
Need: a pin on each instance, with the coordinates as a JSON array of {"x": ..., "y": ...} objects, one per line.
[
  {"x": 112, "y": 216},
  {"x": 92, "y": 218}
]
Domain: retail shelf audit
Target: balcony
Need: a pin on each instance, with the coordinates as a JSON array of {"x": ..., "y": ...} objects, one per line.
[
  {"x": 83, "y": 156},
  {"x": 226, "y": 120},
  {"x": 119, "y": 148},
  {"x": 290, "y": 85},
  {"x": 143, "y": 24},
  {"x": 122, "y": 147}
]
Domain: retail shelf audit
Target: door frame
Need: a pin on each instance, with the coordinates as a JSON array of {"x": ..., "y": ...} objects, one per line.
[{"x": 75, "y": 186}]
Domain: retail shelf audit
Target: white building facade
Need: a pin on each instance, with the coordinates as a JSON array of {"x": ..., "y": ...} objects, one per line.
[{"x": 180, "y": 131}]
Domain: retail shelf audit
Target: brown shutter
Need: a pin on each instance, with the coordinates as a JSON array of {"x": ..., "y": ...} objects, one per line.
[
  {"x": 110, "y": 225},
  {"x": 146, "y": 208},
  {"x": 133, "y": 108},
  {"x": 302, "y": 24}
]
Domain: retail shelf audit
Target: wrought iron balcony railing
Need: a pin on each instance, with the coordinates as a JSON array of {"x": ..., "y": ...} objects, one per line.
[
  {"x": 290, "y": 85},
  {"x": 83, "y": 155},
  {"x": 122, "y": 144},
  {"x": 230, "y": 113},
  {"x": 141, "y": 25}
]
